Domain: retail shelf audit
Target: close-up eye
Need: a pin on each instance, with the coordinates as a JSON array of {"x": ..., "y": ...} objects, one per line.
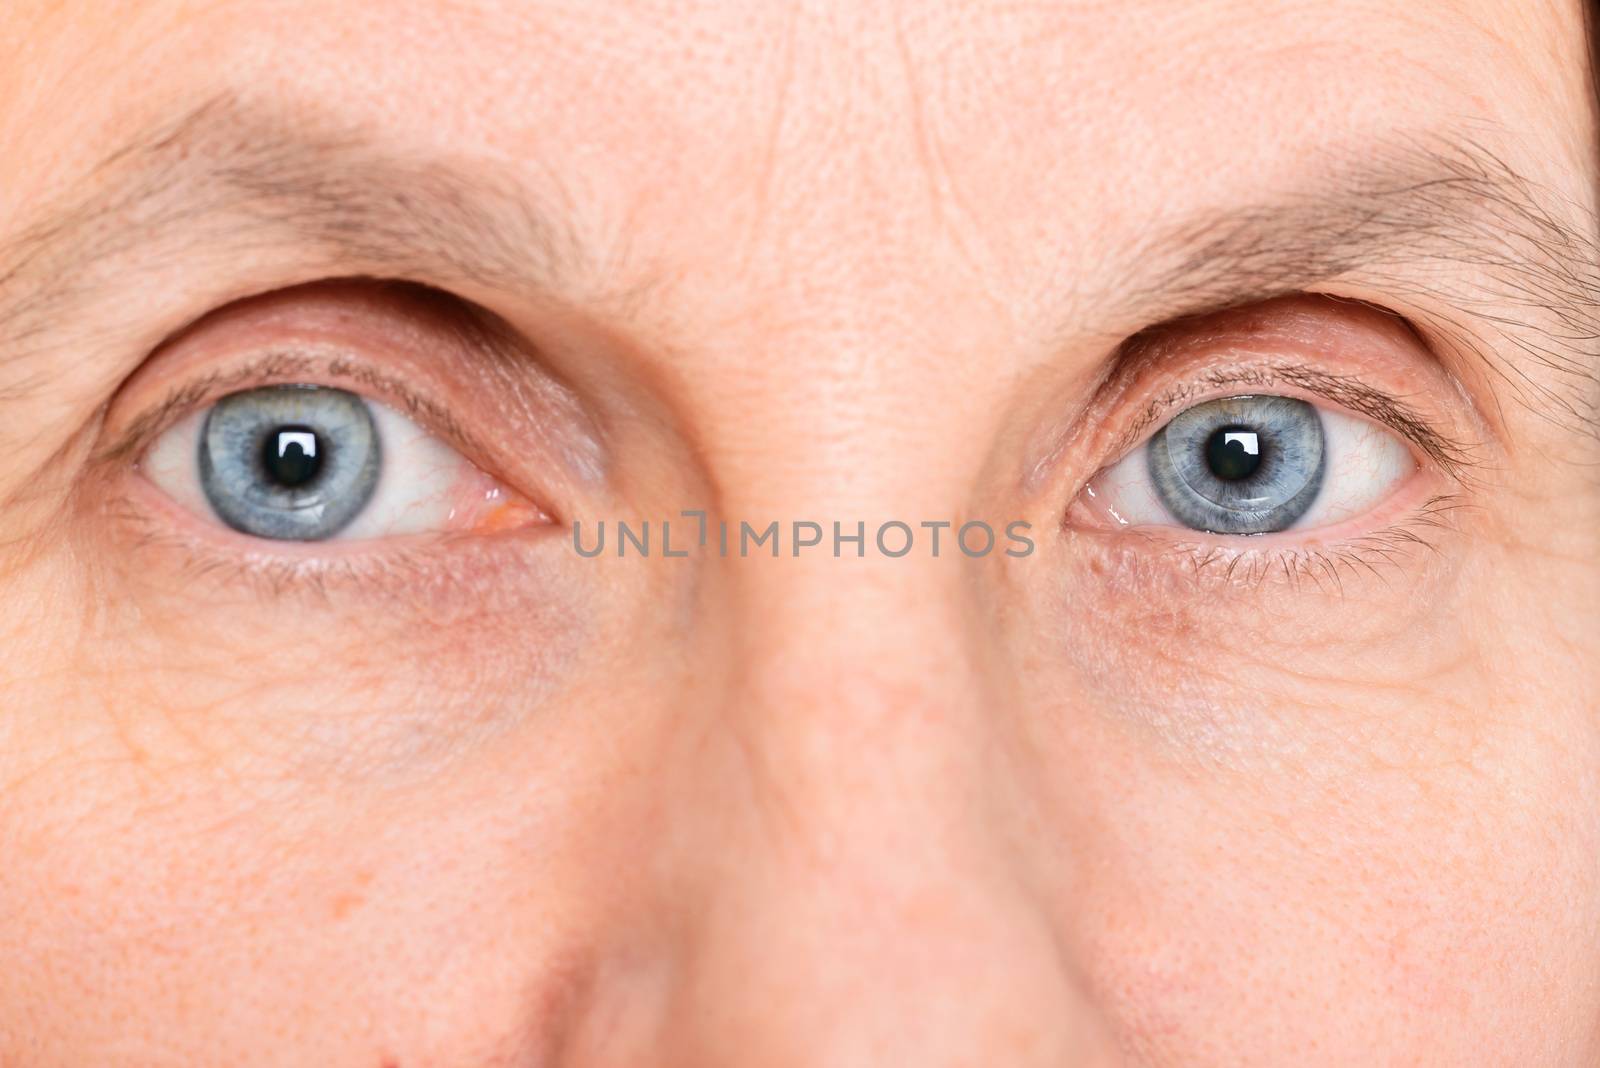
[
  {"x": 1252, "y": 464},
  {"x": 302, "y": 462}
]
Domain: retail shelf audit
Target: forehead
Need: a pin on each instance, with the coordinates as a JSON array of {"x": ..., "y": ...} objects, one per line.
[{"x": 900, "y": 146}]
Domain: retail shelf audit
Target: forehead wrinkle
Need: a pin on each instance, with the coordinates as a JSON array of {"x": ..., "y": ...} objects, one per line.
[{"x": 1436, "y": 218}]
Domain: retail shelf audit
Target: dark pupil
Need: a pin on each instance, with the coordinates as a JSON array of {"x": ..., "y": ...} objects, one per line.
[
  {"x": 1233, "y": 453},
  {"x": 292, "y": 455}
]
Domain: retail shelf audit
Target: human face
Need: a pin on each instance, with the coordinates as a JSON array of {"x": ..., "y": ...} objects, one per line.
[{"x": 1188, "y": 780}]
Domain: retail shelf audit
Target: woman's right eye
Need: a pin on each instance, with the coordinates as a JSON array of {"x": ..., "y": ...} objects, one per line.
[{"x": 306, "y": 463}]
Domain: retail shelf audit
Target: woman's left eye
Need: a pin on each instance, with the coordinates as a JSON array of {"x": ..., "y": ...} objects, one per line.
[
  {"x": 315, "y": 463},
  {"x": 1253, "y": 464}
]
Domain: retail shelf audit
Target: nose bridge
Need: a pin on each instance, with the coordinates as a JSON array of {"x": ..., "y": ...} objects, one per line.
[
  {"x": 859, "y": 902},
  {"x": 852, "y": 892}
]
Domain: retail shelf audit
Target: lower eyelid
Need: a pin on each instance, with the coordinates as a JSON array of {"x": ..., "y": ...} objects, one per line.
[
  {"x": 172, "y": 553},
  {"x": 1424, "y": 499},
  {"x": 1151, "y": 568}
]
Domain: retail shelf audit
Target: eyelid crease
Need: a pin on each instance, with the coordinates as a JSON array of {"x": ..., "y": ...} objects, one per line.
[
  {"x": 149, "y": 424},
  {"x": 278, "y": 367},
  {"x": 1455, "y": 456}
]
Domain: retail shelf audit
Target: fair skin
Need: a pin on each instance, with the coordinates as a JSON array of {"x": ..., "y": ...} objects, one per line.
[{"x": 460, "y": 795}]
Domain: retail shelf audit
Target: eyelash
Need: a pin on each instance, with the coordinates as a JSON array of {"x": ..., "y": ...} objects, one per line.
[
  {"x": 1250, "y": 564},
  {"x": 284, "y": 367},
  {"x": 1253, "y": 562},
  {"x": 1377, "y": 553},
  {"x": 444, "y": 581},
  {"x": 271, "y": 572},
  {"x": 1456, "y": 457}
]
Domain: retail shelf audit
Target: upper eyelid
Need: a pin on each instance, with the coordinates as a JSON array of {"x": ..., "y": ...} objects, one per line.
[
  {"x": 264, "y": 369},
  {"x": 477, "y": 381},
  {"x": 179, "y": 400},
  {"x": 1452, "y": 454},
  {"x": 339, "y": 369}
]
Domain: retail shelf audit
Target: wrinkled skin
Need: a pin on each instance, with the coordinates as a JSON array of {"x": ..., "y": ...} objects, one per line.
[{"x": 478, "y": 799}]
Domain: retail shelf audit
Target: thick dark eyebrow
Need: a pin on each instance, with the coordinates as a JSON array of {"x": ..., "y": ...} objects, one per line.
[
  {"x": 231, "y": 178},
  {"x": 1440, "y": 220}
]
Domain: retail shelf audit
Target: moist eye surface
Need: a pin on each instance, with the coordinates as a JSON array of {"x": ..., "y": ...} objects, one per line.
[
  {"x": 1240, "y": 465},
  {"x": 293, "y": 463}
]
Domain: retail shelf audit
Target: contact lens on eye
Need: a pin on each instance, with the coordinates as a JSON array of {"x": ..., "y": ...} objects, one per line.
[
  {"x": 1239, "y": 465},
  {"x": 290, "y": 462}
]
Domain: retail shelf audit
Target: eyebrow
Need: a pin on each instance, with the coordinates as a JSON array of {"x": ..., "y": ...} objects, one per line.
[
  {"x": 231, "y": 177},
  {"x": 1443, "y": 220}
]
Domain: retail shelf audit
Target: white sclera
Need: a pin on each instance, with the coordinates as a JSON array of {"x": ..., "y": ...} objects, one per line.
[
  {"x": 1363, "y": 464},
  {"x": 419, "y": 479}
]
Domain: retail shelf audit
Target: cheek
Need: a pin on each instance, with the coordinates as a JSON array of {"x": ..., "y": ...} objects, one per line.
[
  {"x": 1441, "y": 905},
  {"x": 1419, "y": 915},
  {"x": 1248, "y": 661},
  {"x": 1285, "y": 818},
  {"x": 186, "y": 911},
  {"x": 384, "y": 668},
  {"x": 216, "y": 822}
]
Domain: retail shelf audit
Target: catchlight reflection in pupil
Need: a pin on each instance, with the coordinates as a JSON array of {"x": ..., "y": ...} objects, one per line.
[
  {"x": 291, "y": 462},
  {"x": 1233, "y": 453},
  {"x": 292, "y": 455}
]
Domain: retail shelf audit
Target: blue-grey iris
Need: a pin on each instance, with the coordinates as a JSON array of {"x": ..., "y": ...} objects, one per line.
[
  {"x": 1239, "y": 465},
  {"x": 295, "y": 463}
]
